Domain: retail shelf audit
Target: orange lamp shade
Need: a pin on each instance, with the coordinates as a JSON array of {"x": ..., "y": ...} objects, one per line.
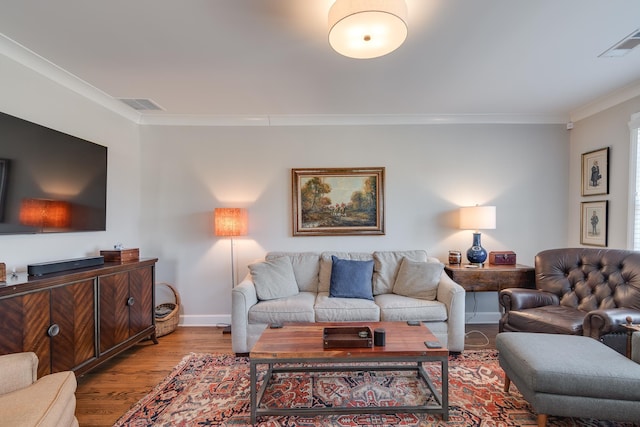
[
  {"x": 45, "y": 213},
  {"x": 230, "y": 222}
]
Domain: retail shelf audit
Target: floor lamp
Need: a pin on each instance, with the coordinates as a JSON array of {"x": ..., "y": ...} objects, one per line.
[{"x": 230, "y": 222}]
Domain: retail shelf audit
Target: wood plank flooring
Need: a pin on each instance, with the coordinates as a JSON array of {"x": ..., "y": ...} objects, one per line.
[{"x": 107, "y": 392}]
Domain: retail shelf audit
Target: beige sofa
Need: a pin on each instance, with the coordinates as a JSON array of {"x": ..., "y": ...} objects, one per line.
[
  {"x": 299, "y": 287},
  {"x": 26, "y": 401}
]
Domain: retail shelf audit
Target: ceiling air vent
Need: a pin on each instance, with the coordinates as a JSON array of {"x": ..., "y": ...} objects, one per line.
[
  {"x": 141, "y": 104},
  {"x": 624, "y": 46}
]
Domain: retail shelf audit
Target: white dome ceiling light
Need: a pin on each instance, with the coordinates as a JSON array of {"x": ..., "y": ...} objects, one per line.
[{"x": 366, "y": 29}]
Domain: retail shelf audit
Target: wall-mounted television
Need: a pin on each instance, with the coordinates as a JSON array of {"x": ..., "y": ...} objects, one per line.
[{"x": 50, "y": 182}]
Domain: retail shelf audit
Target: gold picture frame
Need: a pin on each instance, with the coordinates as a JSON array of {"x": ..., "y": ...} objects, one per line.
[
  {"x": 4, "y": 173},
  {"x": 595, "y": 172},
  {"x": 593, "y": 226},
  {"x": 338, "y": 201}
]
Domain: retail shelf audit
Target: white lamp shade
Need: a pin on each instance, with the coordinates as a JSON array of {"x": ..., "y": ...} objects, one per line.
[
  {"x": 365, "y": 29},
  {"x": 478, "y": 218}
]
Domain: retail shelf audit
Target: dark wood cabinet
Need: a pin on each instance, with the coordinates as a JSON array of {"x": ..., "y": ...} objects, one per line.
[
  {"x": 77, "y": 319},
  {"x": 73, "y": 315},
  {"x": 126, "y": 306},
  {"x": 24, "y": 321}
]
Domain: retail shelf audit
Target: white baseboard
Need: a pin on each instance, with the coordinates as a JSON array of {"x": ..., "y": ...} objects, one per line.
[
  {"x": 482, "y": 317},
  {"x": 205, "y": 320}
]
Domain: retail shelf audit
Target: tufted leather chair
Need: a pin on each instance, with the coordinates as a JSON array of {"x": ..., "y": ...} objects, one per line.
[{"x": 579, "y": 291}]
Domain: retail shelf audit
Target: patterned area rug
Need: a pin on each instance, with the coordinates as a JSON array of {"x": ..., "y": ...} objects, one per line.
[{"x": 213, "y": 390}]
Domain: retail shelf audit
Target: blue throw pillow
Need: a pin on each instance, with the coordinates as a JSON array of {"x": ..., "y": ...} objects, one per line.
[{"x": 351, "y": 279}]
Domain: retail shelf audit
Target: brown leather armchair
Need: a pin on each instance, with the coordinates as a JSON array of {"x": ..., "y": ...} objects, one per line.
[{"x": 579, "y": 291}]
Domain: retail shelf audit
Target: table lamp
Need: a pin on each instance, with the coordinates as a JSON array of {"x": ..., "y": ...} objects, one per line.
[{"x": 477, "y": 218}]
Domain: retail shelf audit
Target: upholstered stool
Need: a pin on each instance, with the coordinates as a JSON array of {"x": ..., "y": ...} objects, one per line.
[{"x": 570, "y": 376}]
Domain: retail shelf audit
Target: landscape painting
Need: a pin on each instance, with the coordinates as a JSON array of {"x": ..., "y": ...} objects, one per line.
[{"x": 338, "y": 201}]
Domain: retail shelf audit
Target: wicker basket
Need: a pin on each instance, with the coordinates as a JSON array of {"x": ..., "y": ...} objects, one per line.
[{"x": 168, "y": 323}]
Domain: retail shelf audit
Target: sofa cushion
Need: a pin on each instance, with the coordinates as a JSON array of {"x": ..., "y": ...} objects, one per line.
[
  {"x": 326, "y": 264},
  {"x": 274, "y": 278},
  {"x": 551, "y": 319},
  {"x": 329, "y": 309},
  {"x": 418, "y": 279},
  {"x": 351, "y": 279},
  {"x": 398, "y": 308},
  {"x": 306, "y": 266},
  {"x": 386, "y": 266},
  {"x": 297, "y": 308}
]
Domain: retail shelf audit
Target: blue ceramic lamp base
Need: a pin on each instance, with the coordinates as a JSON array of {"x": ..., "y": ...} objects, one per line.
[{"x": 476, "y": 254}]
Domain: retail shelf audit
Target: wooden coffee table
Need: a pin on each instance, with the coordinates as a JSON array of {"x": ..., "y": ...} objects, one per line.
[{"x": 302, "y": 343}]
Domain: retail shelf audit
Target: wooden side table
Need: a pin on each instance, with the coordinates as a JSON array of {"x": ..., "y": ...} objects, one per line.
[{"x": 492, "y": 278}]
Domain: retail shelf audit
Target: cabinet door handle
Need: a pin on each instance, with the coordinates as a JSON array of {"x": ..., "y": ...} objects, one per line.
[
  {"x": 131, "y": 301},
  {"x": 53, "y": 330}
]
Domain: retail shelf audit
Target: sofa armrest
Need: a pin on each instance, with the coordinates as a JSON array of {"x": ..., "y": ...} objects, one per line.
[
  {"x": 601, "y": 322},
  {"x": 520, "y": 299},
  {"x": 243, "y": 297},
  {"x": 17, "y": 371},
  {"x": 452, "y": 295}
]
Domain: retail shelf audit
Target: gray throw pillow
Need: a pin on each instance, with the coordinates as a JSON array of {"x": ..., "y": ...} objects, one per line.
[
  {"x": 418, "y": 279},
  {"x": 274, "y": 279}
]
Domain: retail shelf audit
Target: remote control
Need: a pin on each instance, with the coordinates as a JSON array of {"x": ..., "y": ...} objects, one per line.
[
  {"x": 433, "y": 344},
  {"x": 275, "y": 326},
  {"x": 413, "y": 323}
]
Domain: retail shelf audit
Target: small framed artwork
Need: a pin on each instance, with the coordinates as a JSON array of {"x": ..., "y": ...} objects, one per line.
[
  {"x": 4, "y": 173},
  {"x": 595, "y": 172},
  {"x": 593, "y": 228},
  {"x": 338, "y": 201}
]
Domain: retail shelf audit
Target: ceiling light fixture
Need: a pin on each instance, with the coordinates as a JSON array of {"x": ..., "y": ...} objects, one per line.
[{"x": 366, "y": 29}]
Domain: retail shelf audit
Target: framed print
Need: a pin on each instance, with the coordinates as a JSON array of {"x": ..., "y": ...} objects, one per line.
[
  {"x": 593, "y": 229},
  {"x": 595, "y": 172},
  {"x": 337, "y": 201},
  {"x": 4, "y": 173}
]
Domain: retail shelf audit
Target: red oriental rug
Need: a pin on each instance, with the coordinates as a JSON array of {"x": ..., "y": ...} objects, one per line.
[{"x": 213, "y": 390}]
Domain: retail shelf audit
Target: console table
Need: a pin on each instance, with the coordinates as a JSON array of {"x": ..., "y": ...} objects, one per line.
[
  {"x": 492, "y": 278},
  {"x": 77, "y": 319}
]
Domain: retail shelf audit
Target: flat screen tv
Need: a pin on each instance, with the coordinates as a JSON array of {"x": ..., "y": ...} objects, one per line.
[{"x": 50, "y": 182}]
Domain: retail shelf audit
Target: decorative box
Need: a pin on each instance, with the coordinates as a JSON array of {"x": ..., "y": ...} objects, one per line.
[
  {"x": 347, "y": 337},
  {"x": 121, "y": 255},
  {"x": 502, "y": 258},
  {"x": 3, "y": 272}
]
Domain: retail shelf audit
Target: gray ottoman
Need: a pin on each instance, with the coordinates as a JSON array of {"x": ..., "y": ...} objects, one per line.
[{"x": 570, "y": 376}]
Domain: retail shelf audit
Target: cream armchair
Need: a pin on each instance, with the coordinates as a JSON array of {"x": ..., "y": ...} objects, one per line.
[{"x": 26, "y": 400}]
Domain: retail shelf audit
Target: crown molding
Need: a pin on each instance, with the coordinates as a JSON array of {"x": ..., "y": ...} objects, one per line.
[
  {"x": 610, "y": 100},
  {"x": 348, "y": 119},
  {"x": 202, "y": 120},
  {"x": 29, "y": 59}
]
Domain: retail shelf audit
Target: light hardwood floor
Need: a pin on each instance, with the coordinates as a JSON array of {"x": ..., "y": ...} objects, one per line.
[{"x": 108, "y": 391}]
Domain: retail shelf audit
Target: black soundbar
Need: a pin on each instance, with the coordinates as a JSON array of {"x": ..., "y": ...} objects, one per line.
[{"x": 67, "y": 264}]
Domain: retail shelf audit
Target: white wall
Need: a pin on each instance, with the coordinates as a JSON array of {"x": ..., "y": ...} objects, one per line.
[
  {"x": 164, "y": 183},
  {"x": 30, "y": 96},
  {"x": 430, "y": 172},
  {"x": 608, "y": 128}
]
